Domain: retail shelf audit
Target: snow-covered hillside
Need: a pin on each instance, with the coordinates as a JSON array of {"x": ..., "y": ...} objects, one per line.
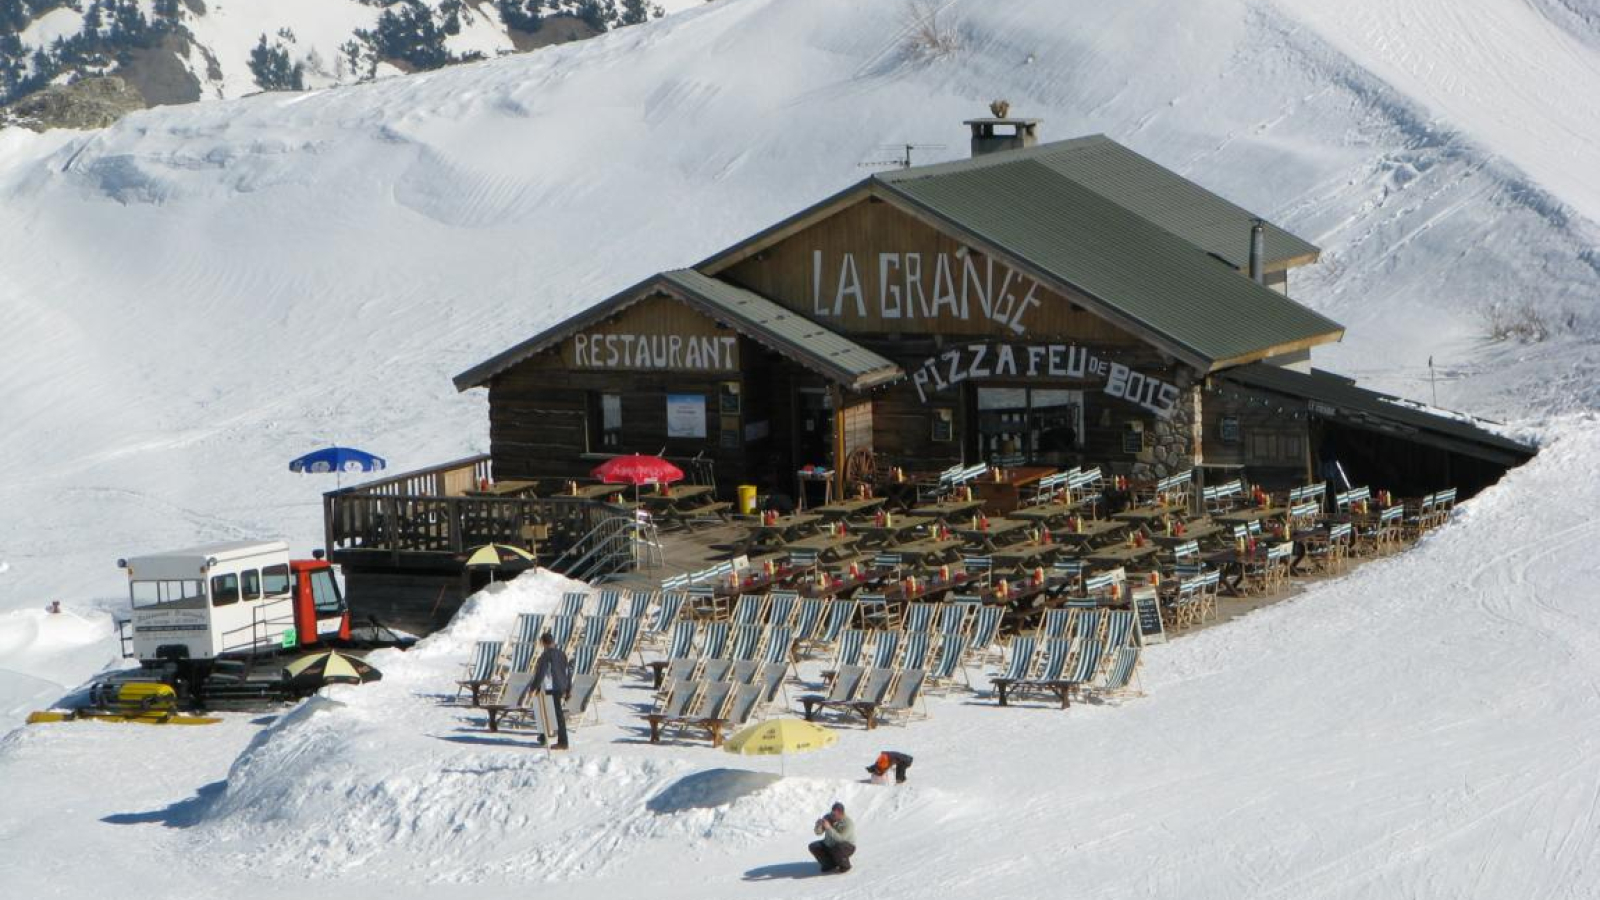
[{"x": 198, "y": 294}]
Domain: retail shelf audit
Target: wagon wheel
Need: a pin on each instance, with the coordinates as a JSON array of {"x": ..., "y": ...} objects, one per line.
[{"x": 858, "y": 469}]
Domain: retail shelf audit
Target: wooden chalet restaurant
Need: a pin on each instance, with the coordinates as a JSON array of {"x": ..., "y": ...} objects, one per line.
[{"x": 1037, "y": 307}]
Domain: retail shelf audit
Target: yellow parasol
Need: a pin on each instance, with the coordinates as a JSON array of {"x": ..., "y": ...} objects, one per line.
[
  {"x": 496, "y": 556},
  {"x": 780, "y": 737}
]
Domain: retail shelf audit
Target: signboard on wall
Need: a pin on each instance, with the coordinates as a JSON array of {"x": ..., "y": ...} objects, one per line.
[
  {"x": 686, "y": 416},
  {"x": 981, "y": 362},
  {"x": 658, "y": 334}
]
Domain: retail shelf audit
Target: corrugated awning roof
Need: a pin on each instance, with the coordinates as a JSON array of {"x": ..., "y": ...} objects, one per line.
[
  {"x": 752, "y": 315},
  {"x": 1147, "y": 279},
  {"x": 1337, "y": 398}
]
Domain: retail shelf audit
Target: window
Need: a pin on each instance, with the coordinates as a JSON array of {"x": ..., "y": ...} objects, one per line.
[
  {"x": 325, "y": 593},
  {"x": 1038, "y": 425},
  {"x": 224, "y": 589},
  {"x": 605, "y": 422},
  {"x": 250, "y": 579},
  {"x": 188, "y": 593},
  {"x": 275, "y": 580}
]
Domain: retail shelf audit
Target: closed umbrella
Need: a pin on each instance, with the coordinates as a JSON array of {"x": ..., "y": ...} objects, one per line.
[
  {"x": 780, "y": 737},
  {"x": 329, "y": 667}
]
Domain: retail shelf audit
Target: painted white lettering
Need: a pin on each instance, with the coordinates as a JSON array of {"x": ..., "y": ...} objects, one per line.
[
  {"x": 916, "y": 300},
  {"x": 953, "y": 357},
  {"x": 691, "y": 354},
  {"x": 674, "y": 351},
  {"x": 1035, "y": 353},
  {"x": 1005, "y": 361},
  {"x": 611, "y": 351},
  {"x": 944, "y": 289},
  {"x": 888, "y": 291},
  {"x": 1077, "y": 361},
  {"x": 730, "y": 346},
  {"x": 977, "y": 370},
  {"x": 972, "y": 284},
  {"x": 849, "y": 286},
  {"x": 1167, "y": 399},
  {"x": 816, "y": 284},
  {"x": 580, "y": 350},
  {"x": 1003, "y": 301},
  {"x": 1028, "y": 302},
  {"x": 1056, "y": 352},
  {"x": 1117, "y": 381},
  {"x": 919, "y": 379}
]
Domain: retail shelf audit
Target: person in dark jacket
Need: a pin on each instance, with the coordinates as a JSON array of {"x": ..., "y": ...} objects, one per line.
[
  {"x": 838, "y": 842},
  {"x": 553, "y": 675},
  {"x": 888, "y": 759}
]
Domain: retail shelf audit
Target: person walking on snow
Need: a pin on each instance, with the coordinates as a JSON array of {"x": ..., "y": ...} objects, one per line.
[
  {"x": 838, "y": 842},
  {"x": 552, "y": 675}
]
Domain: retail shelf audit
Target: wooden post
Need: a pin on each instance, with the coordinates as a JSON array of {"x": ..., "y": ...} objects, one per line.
[{"x": 837, "y": 483}]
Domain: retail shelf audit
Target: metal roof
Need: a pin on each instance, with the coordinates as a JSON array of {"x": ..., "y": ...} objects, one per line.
[
  {"x": 1143, "y": 276},
  {"x": 1337, "y": 398},
  {"x": 752, "y": 315},
  {"x": 1142, "y": 186}
]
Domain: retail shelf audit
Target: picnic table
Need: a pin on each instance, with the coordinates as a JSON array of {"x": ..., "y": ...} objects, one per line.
[
  {"x": 1143, "y": 515},
  {"x": 777, "y": 534},
  {"x": 597, "y": 491},
  {"x": 843, "y": 510},
  {"x": 1091, "y": 534},
  {"x": 946, "y": 510},
  {"x": 1026, "y": 555},
  {"x": 1235, "y": 564},
  {"x": 1001, "y": 489},
  {"x": 929, "y": 552},
  {"x": 508, "y": 488},
  {"x": 1051, "y": 514},
  {"x": 1250, "y": 514},
  {"x": 1122, "y": 554},
  {"x": 830, "y": 547},
  {"x": 1198, "y": 532},
  {"x": 887, "y": 537},
  {"x": 927, "y": 589},
  {"x": 998, "y": 534},
  {"x": 683, "y": 503}
]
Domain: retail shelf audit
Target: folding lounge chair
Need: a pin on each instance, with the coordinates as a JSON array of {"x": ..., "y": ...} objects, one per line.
[
  {"x": 902, "y": 701},
  {"x": 606, "y": 605},
  {"x": 846, "y": 682},
  {"x": 482, "y": 670},
  {"x": 874, "y": 687},
  {"x": 1021, "y": 678},
  {"x": 572, "y": 603}
]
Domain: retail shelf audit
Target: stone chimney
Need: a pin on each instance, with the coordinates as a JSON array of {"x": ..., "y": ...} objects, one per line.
[
  {"x": 1002, "y": 132},
  {"x": 1258, "y": 251}
]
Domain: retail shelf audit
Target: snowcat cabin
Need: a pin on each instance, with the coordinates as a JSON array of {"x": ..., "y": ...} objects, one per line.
[
  {"x": 320, "y": 613},
  {"x": 218, "y": 600}
]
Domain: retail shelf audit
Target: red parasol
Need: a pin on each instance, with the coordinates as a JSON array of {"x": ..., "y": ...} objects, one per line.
[{"x": 638, "y": 469}]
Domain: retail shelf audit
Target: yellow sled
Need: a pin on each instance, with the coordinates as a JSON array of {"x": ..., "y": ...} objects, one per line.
[{"x": 145, "y": 702}]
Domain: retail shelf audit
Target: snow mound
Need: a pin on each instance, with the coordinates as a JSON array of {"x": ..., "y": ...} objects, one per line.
[
  {"x": 43, "y": 655},
  {"x": 710, "y": 789}
]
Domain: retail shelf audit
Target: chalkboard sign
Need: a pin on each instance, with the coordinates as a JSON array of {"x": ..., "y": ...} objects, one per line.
[
  {"x": 1147, "y": 610},
  {"x": 1133, "y": 442}
]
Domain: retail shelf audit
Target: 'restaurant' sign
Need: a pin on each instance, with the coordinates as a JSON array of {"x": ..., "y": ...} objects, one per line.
[{"x": 678, "y": 352}]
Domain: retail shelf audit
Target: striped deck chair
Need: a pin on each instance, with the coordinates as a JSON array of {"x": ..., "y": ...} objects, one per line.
[
  {"x": 840, "y": 614},
  {"x": 676, "y": 582},
  {"x": 714, "y": 639},
  {"x": 802, "y": 560},
  {"x": 779, "y": 646},
  {"x": 1184, "y": 609},
  {"x": 562, "y": 628},
  {"x": 624, "y": 641},
  {"x": 947, "y": 662},
  {"x": 887, "y": 564},
  {"x": 747, "y": 641},
  {"x": 978, "y": 568},
  {"x": 981, "y": 643},
  {"x": 920, "y": 616},
  {"x": 483, "y": 667},
  {"x": 851, "y": 644},
  {"x": 886, "y": 650},
  {"x": 781, "y": 608},
  {"x": 572, "y": 603},
  {"x": 521, "y": 656},
  {"x": 1066, "y": 576},
  {"x": 1057, "y": 623},
  {"x": 584, "y": 659},
  {"x": 874, "y": 611},
  {"x": 915, "y": 654},
  {"x": 955, "y": 616},
  {"x": 807, "y": 619},
  {"x": 702, "y": 602},
  {"x": 1022, "y": 659},
  {"x": 666, "y": 614},
  {"x": 748, "y": 609},
  {"x": 606, "y": 605},
  {"x": 901, "y": 703},
  {"x": 681, "y": 643},
  {"x": 595, "y": 631},
  {"x": 1120, "y": 673},
  {"x": 1119, "y": 627},
  {"x": 1090, "y": 622},
  {"x": 528, "y": 628},
  {"x": 639, "y": 604}
]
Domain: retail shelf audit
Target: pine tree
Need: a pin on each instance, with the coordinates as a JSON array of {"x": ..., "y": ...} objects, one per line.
[{"x": 272, "y": 69}]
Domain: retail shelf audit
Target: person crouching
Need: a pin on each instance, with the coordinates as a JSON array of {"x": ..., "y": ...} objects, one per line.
[
  {"x": 833, "y": 852},
  {"x": 890, "y": 759}
]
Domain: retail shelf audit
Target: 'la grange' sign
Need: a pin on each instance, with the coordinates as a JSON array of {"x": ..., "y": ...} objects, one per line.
[
  {"x": 975, "y": 362},
  {"x": 954, "y": 287}
]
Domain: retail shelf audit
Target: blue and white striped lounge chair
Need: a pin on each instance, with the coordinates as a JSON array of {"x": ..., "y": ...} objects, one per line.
[
  {"x": 915, "y": 654},
  {"x": 985, "y": 629},
  {"x": 1022, "y": 659},
  {"x": 584, "y": 659},
  {"x": 624, "y": 641},
  {"x": 1119, "y": 627},
  {"x": 1057, "y": 623},
  {"x": 840, "y": 614},
  {"x": 714, "y": 640},
  {"x": 561, "y": 628},
  {"x": 595, "y": 631},
  {"x": 852, "y": 643},
  {"x": 807, "y": 619},
  {"x": 781, "y": 608},
  {"x": 947, "y": 662},
  {"x": 779, "y": 645},
  {"x": 521, "y": 656},
  {"x": 977, "y": 567},
  {"x": 748, "y": 609},
  {"x": 747, "y": 641},
  {"x": 955, "y": 617},
  {"x": 606, "y": 605},
  {"x": 666, "y": 613},
  {"x": 528, "y": 628},
  {"x": 1120, "y": 673},
  {"x": 919, "y": 617},
  {"x": 681, "y": 644},
  {"x": 572, "y": 603},
  {"x": 639, "y": 604},
  {"x": 1089, "y": 624},
  {"x": 483, "y": 668},
  {"x": 886, "y": 650}
]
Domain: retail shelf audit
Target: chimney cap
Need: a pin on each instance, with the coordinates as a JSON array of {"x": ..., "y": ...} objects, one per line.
[{"x": 1006, "y": 121}]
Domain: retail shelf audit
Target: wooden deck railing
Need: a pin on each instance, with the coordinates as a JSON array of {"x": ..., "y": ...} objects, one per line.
[{"x": 424, "y": 516}]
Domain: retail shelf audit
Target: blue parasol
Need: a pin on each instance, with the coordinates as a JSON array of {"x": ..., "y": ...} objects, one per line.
[{"x": 338, "y": 460}]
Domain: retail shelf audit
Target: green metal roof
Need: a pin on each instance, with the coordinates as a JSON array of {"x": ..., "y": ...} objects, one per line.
[
  {"x": 1337, "y": 398},
  {"x": 1144, "y": 277},
  {"x": 1154, "y": 192},
  {"x": 747, "y": 312}
]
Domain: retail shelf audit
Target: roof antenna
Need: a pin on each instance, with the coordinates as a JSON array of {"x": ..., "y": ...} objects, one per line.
[{"x": 904, "y": 160}]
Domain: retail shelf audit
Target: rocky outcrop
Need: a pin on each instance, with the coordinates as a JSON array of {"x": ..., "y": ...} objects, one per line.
[{"x": 86, "y": 103}]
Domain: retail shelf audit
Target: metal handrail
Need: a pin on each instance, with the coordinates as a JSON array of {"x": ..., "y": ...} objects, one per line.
[{"x": 610, "y": 547}]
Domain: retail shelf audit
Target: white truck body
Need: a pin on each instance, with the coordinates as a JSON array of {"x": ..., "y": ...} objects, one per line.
[{"x": 213, "y": 600}]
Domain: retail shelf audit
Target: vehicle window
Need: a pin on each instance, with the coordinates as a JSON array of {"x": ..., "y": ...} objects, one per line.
[
  {"x": 250, "y": 583},
  {"x": 275, "y": 580},
  {"x": 177, "y": 593},
  {"x": 224, "y": 589},
  {"x": 325, "y": 593}
]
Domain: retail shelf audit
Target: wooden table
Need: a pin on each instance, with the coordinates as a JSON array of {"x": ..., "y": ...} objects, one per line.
[
  {"x": 777, "y": 534},
  {"x": 946, "y": 510},
  {"x": 930, "y": 553},
  {"x": 598, "y": 491},
  {"x": 1093, "y": 533},
  {"x": 829, "y": 547},
  {"x": 681, "y": 504},
  {"x": 1122, "y": 554},
  {"x": 887, "y": 537},
  {"x": 1234, "y": 564},
  {"x": 843, "y": 510},
  {"x": 1054, "y": 515},
  {"x": 999, "y": 534},
  {"x": 1251, "y": 514},
  {"x": 509, "y": 488},
  {"x": 1144, "y": 515},
  {"x": 1026, "y": 556},
  {"x": 1002, "y": 496},
  {"x": 1190, "y": 533}
]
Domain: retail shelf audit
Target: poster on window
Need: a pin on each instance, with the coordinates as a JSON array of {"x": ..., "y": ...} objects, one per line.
[{"x": 686, "y": 415}]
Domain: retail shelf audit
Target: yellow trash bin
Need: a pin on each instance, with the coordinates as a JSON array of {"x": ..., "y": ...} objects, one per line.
[{"x": 747, "y": 499}]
